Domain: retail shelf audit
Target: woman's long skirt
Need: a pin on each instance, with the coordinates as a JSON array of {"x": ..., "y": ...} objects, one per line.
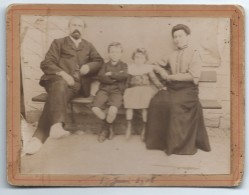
[{"x": 175, "y": 120}]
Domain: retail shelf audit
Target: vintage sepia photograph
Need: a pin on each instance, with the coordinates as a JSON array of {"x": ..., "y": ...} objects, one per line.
[
  {"x": 125, "y": 95},
  {"x": 127, "y": 83}
]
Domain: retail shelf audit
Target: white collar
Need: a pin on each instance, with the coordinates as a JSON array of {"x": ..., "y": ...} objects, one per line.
[{"x": 76, "y": 42}]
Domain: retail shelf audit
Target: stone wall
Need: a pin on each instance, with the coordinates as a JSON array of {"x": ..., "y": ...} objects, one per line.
[{"x": 221, "y": 89}]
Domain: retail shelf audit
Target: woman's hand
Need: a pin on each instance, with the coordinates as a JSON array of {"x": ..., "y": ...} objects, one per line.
[
  {"x": 162, "y": 62},
  {"x": 165, "y": 75},
  {"x": 159, "y": 70}
]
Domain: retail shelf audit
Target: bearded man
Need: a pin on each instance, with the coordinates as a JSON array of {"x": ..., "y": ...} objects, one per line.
[{"x": 69, "y": 67}]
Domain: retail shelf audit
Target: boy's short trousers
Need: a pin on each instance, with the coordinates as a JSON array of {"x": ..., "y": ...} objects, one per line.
[{"x": 105, "y": 98}]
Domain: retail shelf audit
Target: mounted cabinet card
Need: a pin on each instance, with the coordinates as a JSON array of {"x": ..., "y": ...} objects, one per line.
[{"x": 125, "y": 95}]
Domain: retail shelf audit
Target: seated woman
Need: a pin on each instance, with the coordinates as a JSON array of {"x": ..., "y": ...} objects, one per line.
[{"x": 175, "y": 121}]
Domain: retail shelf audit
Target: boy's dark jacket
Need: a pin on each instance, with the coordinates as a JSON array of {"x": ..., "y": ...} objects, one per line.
[{"x": 118, "y": 77}]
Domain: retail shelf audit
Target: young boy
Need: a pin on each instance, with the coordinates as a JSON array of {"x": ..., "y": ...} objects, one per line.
[{"x": 112, "y": 77}]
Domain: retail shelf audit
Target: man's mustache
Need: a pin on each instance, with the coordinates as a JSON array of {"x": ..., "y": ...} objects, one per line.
[{"x": 76, "y": 31}]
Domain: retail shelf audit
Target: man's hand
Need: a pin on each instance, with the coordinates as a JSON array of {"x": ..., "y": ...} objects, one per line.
[
  {"x": 84, "y": 69},
  {"x": 108, "y": 73},
  {"x": 68, "y": 78}
]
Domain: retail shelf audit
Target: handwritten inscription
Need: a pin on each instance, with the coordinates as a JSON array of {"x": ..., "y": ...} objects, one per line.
[{"x": 117, "y": 181}]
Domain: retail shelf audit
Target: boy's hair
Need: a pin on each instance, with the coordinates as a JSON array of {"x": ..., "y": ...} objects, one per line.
[
  {"x": 141, "y": 51},
  {"x": 183, "y": 27},
  {"x": 114, "y": 44}
]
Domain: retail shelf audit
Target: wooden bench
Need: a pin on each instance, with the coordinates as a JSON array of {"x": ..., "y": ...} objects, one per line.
[
  {"x": 206, "y": 104},
  {"x": 206, "y": 76}
]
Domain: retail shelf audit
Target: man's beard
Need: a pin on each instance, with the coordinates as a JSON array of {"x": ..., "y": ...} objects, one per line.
[{"x": 76, "y": 34}]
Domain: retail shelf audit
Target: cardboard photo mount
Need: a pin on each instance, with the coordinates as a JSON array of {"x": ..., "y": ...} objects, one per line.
[{"x": 236, "y": 15}]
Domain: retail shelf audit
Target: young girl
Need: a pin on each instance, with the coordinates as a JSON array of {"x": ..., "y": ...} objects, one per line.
[{"x": 140, "y": 88}]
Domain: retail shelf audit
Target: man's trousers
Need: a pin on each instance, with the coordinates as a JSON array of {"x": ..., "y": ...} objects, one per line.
[{"x": 55, "y": 108}]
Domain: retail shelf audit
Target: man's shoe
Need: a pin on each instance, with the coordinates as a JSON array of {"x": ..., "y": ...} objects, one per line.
[
  {"x": 32, "y": 146},
  {"x": 57, "y": 131}
]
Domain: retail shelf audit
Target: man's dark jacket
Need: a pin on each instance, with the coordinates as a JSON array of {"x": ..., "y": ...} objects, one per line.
[{"x": 64, "y": 56}]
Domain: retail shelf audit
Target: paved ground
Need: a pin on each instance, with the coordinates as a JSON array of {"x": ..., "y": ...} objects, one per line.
[{"x": 82, "y": 154}]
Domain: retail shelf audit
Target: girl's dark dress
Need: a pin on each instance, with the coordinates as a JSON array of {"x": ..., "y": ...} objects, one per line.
[{"x": 175, "y": 118}]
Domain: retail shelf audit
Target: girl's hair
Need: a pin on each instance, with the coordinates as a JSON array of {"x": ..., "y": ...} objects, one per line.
[
  {"x": 183, "y": 27},
  {"x": 140, "y": 51},
  {"x": 114, "y": 44}
]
